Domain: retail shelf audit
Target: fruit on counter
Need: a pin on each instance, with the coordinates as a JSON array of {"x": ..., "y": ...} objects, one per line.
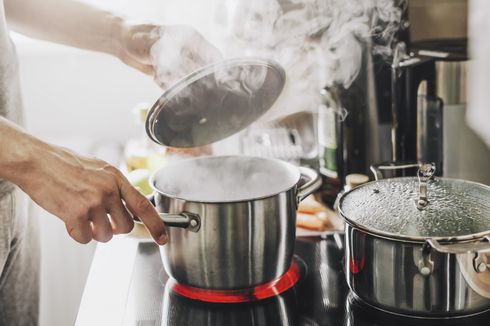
[
  {"x": 141, "y": 178},
  {"x": 142, "y": 156}
]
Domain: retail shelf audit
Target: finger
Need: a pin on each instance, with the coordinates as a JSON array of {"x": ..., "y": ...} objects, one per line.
[
  {"x": 144, "y": 210},
  {"x": 101, "y": 227},
  {"x": 79, "y": 230},
  {"x": 121, "y": 220},
  {"x": 144, "y": 68}
]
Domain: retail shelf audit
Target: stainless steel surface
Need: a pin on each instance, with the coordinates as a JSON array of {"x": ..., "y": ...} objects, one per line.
[
  {"x": 188, "y": 221},
  {"x": 240, "y": 244},
  {"x": 459, "y": 209},
  {"x": 461, "y": 248},
  {"x": 378, "y": 168},
  {"x": 465, "y": 155},
  {"x": 311, "y": 183},
  {"x": 406, "y": 268},
  {"x": 389, "y": 277},
  {"x": 452, "y": 81},
  {"x": 443, "y": 135},
  {"x": 425, "y": 174},
  {"x": 215, "y": 102}
]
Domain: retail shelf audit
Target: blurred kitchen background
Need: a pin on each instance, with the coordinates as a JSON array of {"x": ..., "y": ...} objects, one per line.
[{"x": 85, "y": 101}]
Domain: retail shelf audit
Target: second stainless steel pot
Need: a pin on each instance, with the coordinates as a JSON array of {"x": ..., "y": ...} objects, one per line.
[
  {"x": 417, "y": 247},
  {"x": 237, "y": 219}
]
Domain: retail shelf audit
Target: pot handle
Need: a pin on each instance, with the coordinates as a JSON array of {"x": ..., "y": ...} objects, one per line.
[
  {"x": 378, "y": 168},
  {"x": 312, "y": 183},
  {"x": 189, "y": 221},
  {"x": 478, "y": 248},
  {"x": 460, "y": 248}
]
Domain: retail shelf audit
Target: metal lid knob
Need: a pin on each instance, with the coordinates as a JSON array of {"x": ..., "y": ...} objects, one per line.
[{"x": 425, "y": 173}]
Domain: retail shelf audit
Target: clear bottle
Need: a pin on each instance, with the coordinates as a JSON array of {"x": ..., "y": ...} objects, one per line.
[
  {"x": 328, "y": 118},
  {"x": 327, "y": 132}
]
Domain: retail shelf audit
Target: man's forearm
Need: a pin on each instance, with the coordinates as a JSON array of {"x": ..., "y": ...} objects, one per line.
[
  {"x": 17, "y": 150},
  {"x": 68, "y": 22}
]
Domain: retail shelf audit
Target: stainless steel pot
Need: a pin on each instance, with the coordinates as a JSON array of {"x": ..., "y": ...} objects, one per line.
[
  {"x": 416, "y": 246},
  {"x": 232, "y": 218}
]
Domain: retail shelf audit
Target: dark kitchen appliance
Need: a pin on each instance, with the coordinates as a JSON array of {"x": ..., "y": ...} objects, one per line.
[
  {"x": 414, "y": 112},
  {"x": 321, "y": 298}
]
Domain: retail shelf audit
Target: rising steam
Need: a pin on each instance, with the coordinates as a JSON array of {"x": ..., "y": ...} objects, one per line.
[{"x": 318, "y": 42}]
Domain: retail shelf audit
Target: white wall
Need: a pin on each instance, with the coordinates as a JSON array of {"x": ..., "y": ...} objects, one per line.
[{"x": 83, "y": 101}]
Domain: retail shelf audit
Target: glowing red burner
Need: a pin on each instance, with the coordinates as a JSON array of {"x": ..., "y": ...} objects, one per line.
[{"x": 260, "y": 292}]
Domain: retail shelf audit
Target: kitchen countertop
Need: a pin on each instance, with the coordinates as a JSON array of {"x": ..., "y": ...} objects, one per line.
[{"x": 105, "y": 294}]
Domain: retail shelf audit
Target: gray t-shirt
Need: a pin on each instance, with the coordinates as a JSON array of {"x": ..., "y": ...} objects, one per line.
[{"x": 10, "y": 97}]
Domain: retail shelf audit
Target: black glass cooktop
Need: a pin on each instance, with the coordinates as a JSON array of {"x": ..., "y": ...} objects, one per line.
[{"x": 320, "y": 298}]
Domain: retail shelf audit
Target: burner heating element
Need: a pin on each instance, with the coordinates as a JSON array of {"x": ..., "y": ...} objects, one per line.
[{"x": 259, "y": 292}]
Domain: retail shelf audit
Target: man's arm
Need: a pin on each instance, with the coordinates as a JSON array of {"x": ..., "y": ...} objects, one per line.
[
  {"x": 80, "y": 25},
  {"x": 91, "y": 197},
  {"x": 179, "y": 49},
  {"x": 67, "y": 22}
]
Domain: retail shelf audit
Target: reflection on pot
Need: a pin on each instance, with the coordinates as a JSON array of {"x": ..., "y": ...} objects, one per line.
[
  {"x": 474, "y": 268},
  {"x": 393, "y": 279},
  {"x": 180, "y": 311}
]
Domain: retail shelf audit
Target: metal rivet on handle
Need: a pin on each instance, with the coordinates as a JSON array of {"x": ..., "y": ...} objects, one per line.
[
  {"x": 425, "y": 271},
  {"x": 482, "y": 267}
]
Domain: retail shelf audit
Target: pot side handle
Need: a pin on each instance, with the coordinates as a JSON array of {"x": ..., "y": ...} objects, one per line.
[
  {"x": 378, "y": 168},
  {"x": 189, "y": 221},
  {"x": 312, "y": 183},
  {"x": 477, "y": 248},
  {"x": 460, "y": 248}
]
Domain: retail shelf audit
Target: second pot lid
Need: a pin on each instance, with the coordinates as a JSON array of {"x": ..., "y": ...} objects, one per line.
[
  {"x": 456, "y": 208},
  {"x": 215, "y": 102}
]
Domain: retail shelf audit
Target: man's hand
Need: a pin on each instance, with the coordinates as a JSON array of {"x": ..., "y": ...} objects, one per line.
[
  {"x": 167, "y": 53},
  {"x": 91, "y": 197}
]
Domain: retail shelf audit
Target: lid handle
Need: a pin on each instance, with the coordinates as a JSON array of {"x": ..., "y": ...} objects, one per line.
[{"x": 425, "y": 173}]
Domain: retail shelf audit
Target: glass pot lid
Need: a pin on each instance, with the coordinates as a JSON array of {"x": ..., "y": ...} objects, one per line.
[
  {"x": 391, "y": 207},
  {"x": 215, "y": 102}
]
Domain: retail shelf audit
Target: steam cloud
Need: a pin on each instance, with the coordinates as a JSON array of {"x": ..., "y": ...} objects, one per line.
[{"x": 318, "y": 42}]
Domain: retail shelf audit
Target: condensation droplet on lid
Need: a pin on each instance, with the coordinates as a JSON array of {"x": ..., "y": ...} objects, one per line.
[{"x": 455, "y": 207}]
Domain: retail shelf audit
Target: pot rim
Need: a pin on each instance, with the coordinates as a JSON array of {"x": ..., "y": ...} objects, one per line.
[
  {"x": 408, "y": 238},
  {"x": 288, "y": 165}
]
